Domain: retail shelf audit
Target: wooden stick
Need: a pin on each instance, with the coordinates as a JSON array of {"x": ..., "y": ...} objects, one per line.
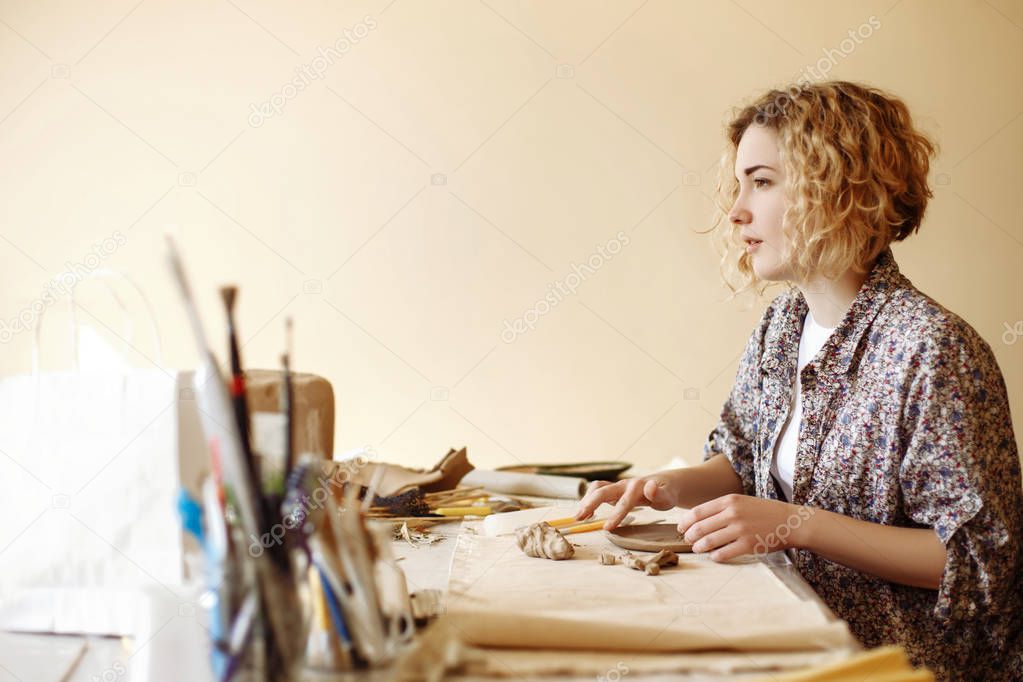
[
  {"x": 454, "y": 491},
  {"x": 583, "y": 528}
]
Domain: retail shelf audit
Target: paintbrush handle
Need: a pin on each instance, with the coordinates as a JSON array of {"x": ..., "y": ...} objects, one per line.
[{"x": 288, "y": 408}]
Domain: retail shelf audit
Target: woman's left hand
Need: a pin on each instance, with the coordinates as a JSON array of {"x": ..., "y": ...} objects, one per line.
[{"x": 734, "y": 525}]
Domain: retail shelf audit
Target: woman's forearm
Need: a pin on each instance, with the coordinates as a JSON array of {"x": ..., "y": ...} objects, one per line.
[
  {"x": 713, "y": 478},
  {"x": 908, "y": 556}
]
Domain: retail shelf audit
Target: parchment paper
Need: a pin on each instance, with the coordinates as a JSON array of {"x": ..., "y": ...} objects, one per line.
[{"x": 498, "y": 597}]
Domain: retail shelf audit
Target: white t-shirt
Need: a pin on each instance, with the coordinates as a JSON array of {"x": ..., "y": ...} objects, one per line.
[{"x": 783, "y": 464}]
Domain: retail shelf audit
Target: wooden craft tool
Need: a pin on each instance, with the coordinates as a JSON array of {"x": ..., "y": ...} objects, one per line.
[{"x": 463, "y": 511}]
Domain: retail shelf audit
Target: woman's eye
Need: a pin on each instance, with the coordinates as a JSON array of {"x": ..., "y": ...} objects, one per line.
[{"x": 757, "y": 182}]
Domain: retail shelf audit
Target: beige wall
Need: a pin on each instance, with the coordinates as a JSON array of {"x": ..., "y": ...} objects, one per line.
[{"x": 456, "y": 160}]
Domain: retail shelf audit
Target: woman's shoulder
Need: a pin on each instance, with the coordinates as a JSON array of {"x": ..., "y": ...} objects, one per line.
[
  {"x": 928, "y": 332},
  {"x": 780, "y": 307}
]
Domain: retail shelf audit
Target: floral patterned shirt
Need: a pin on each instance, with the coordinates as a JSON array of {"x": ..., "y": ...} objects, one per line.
[{"x": 905, "y": 423}]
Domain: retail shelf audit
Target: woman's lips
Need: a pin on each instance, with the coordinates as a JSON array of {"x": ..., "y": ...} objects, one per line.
[{"x": 752, "y": 244}]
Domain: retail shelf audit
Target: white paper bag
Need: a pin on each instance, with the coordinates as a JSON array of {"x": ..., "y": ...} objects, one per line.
[{"x": 90, "y": 470}]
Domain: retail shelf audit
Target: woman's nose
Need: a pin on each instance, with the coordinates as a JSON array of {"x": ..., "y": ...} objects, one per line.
[{"x": 739, "y": 215}]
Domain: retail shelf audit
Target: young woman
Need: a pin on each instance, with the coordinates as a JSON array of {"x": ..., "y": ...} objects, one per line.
[{"x": 868, "y": 429}]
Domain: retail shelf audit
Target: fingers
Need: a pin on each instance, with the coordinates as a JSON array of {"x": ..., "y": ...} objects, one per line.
[
  {"x": 628, "y": 494},
  {"x": 703, "y": 511},
  {"x": 701, "y": 529},
  {"x": 597, "y": 493},
  {"x": 717, "y": 527},
  {"x": 632, "y": 496},
  {"x": 731, "y": 550},
  {"x": 716, "y": 539},
  {"x": 661, "y": 496}
]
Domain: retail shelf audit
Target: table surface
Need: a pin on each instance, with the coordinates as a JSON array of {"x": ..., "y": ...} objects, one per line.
[{"x": 425, "y": 567}]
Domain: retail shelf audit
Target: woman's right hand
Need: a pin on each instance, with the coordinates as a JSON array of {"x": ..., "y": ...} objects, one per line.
[{"x": 657, "y": 490}]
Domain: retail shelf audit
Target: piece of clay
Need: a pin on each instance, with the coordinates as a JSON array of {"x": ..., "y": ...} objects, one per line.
[
  {"x": 664, "y": 558},
  {"x": 633, "y": 561},
  {"x": 651, "y": 566},
  {"x": 608, "y": 558},
  {"x": 543, "y": 541}
]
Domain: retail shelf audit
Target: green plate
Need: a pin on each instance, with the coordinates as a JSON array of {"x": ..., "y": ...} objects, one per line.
[{"x": 591, "y": 471}]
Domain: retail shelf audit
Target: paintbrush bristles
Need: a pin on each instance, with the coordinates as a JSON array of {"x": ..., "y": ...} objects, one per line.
[{"x": 229, "y": 293}]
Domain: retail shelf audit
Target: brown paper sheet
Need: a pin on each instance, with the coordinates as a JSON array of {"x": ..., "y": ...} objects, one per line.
[
  {"x": 395, "y": 479},
  {"x": 518, "y": 663},
  {"x": 498, "y": 597}
]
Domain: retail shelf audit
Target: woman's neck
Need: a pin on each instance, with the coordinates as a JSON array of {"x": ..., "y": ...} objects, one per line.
[{"x": 830, "y": 299}]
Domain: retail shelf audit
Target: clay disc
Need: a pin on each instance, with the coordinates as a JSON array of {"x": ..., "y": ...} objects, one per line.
[{"x": 649, "y": 537}]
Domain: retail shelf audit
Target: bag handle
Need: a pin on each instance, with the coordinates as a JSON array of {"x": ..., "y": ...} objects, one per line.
[{"x": 103, "y": 275}]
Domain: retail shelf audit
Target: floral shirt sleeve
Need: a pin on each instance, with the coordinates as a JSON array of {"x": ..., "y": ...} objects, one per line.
[
  {"x": 957, "y": 477},
  {"x": 737, "y": 426},
  {"x": 906, "y": 422}
]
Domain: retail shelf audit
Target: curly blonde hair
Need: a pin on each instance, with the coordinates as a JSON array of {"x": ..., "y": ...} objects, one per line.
[{"x": 856, "y": 178}]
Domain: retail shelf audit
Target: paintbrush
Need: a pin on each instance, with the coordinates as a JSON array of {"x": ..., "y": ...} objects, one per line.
[
  {"x": 288, "y": 402},
  {"x": 269, "y": 507},
  {"x": 237, "y": 385},
  {"x": 215, "y": 409},
  {"x": 408, "y": 503},
  {"x": 447, "y": 496}
]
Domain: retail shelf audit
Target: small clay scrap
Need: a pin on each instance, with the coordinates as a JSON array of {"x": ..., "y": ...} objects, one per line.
[
  {"x": 415, "y": 537},
  {"x": 633, "y": 561},
  {"x": 651, "y": 566},
  {"x": 543, "y": 541},
  {"x": 664, "y": 558},
  {"x": 608, "y": 558}
]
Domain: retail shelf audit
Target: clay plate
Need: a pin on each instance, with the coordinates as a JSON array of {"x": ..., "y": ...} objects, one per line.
[{"x": 649, "y": 537}]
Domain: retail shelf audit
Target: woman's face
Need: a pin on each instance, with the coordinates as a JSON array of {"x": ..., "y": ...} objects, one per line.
[{"x": 760, "y": 205}]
